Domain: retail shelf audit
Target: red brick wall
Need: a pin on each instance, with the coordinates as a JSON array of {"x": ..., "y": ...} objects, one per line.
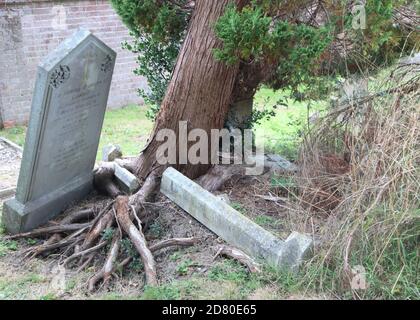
[{"x": 31, "y": 29}]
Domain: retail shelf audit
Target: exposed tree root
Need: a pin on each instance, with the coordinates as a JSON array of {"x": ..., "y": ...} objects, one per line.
[
  {"x": 217, "y": 176},
  {"x": 95, "y": 232},
  {"x": 77, "y": 216},
  {"x": 86, "y": 252},
  {"x": 106, "y": 272},
  {"x": 103, "y": 180},
  {"x": 82, "y": 235},
  {"x": 137, "y": 237},
  {"x": 49, "y": 230},
  {"x": 47, "y": 247}
]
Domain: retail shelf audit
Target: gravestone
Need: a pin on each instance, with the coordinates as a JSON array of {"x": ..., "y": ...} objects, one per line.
[{"x": 68, "y": 109}]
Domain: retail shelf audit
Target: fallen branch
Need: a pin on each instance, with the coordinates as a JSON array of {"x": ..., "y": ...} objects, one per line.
[
  {"x": 239, "y": 256},
  {"x": 183, "y": 242}
]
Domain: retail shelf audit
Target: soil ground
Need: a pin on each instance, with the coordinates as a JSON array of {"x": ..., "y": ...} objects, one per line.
[
  {"x": 184, "y": 273},
  {"x": 9, "y": 166}
]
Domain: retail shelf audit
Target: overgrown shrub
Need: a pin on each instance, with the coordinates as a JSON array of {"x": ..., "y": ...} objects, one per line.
[{"x": 360, "y": 177}]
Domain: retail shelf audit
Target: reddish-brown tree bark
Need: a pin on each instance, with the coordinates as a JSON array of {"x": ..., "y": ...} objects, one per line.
[{"x": 200, "y": 91}]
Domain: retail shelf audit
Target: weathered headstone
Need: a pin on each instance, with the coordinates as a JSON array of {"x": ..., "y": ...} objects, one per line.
[{"x": 68, "y": 108}]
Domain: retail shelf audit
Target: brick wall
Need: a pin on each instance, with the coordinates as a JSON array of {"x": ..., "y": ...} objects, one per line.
[{"x": 32, "y": 28}]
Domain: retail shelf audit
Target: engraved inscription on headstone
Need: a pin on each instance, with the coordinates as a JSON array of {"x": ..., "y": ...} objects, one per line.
[{"x": 67, "y": 114}]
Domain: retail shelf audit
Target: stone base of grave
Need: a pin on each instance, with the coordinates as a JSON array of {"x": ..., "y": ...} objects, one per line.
[
  {"x": 22, "y": 217},
  {"x": 232, "y": 226}
]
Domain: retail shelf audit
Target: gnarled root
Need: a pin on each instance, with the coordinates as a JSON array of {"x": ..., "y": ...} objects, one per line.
[
  {"x": 49, "y": 230},
  {"x": 103, "y": 180},
  {"x": 137, "y": 237},
  {"x": 106, "y": 272},
  {"x": 82, "y": 235}
]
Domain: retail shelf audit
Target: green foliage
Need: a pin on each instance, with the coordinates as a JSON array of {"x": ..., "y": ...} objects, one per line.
[
  {"x": 246, "y": 35},
  {"x": 251, "y": 35},
  {"x": 381, "y": 42},
  {"x": 31, "y": 241},
  {"x": 49, "y": 296},
  {"x": 157, "y": 30},
  {"x": 6, "y": 246},
  {"x": 183, "y": 267},
  {"x": 107, "y": 234},
  {"x": 165, "y": 292},
  {"x": 238, "y": 207},
  {"x": 128, "y": 248},
  {"x": 15, "y": 134},
  {"x": 265, "y": 221},
  {"x": 156, "y": 229},
  {"x": 136, "y": 265},
  {"x": 175, "y": 256},
  {"x": 256, "y": 34}
]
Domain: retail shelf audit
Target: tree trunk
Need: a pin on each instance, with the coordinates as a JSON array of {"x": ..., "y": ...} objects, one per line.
[
  {"x": 247, "y": 82},
  {"x": 200, "y": 90}
]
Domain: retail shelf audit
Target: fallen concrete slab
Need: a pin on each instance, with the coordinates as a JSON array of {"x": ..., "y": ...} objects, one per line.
[
  {"x": 127, "y": 181},
  {"x": 232, "y": 226}
]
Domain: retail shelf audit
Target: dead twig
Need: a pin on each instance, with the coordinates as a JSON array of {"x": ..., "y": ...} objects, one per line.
[{"x": 240, "y": 256}]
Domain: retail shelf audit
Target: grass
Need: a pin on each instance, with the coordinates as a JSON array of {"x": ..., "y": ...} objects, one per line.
[
  {"x": 127, "y": 127},
  {"x": 375, "y": 222},
  {"x": 282, "y": 134},
  {"x": 130, "y": 128},
  {"x": 6, "y": 246},
  {"x": 226, "y": 280},
  {"x": 15, "y": 134},
  {"x": 18, "y": 288}
]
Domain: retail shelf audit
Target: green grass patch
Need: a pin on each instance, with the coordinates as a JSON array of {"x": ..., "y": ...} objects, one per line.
[
  {"x": 127, "y": 127},
  {"x": 15, "y": 134},
  {"x": 130, "y": 128},
  {"x": 282, "y": 134},
  {"x": 164, "y": 292},
  {"x": 6, "y": 246},
  {"x": 238, "y": 207},
  {"x": 265, "y": 221},
  {"x": 18, "y": 288}
]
